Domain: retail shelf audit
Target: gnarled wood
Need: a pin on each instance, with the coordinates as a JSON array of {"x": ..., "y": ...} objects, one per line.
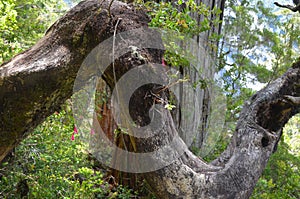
[
  {"x": 36, "y": 82},
  {"x": 235, "y": 172}
]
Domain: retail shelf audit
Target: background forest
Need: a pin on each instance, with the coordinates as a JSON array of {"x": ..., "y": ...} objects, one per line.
[{"x": 259, "y": 42}]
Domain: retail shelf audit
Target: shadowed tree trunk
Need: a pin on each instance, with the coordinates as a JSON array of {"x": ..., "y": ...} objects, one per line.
[
  {"x": 35, "y": 83},
  {"x": 206, "y": 59}
]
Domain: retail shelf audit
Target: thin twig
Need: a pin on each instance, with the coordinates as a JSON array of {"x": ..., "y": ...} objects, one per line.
[
  {"x": 111, "y": 2},
  {"x": 113, "y": 57},
  {"x": 114, "y": 71}
]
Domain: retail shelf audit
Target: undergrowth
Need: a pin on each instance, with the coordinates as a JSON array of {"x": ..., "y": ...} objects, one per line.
[{"x": 50, "y": 164}]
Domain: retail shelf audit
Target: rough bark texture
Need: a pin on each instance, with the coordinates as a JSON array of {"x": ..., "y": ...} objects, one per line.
[
  {"x": 208, "y": 59},
  {"x": 206, "y": 64},
  {"x": 237, "y": 170},
  {"x": 36, "y": 82}
]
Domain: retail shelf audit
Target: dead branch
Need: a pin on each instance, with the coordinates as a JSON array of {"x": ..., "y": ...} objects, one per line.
[{"x": 292, "y": 8}]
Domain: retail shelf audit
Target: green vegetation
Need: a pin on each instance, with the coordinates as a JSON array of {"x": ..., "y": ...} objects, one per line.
[
  {"x": 176, "y": 16},
  {"x": 253, "y": 52},
  {"x": 281, "y": 177},
  {"x": 23, "y": 22},
  {"x": 54, "y": 165},
  {"x": 49, "y": 161},
  {"x": 258, "y": 45}
]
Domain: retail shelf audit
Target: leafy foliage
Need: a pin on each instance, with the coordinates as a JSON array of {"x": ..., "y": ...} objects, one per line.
[
  {"x": 281, "y": 177},
  {"x": 253, "y": 49},
  {"x": 258, "y": 45},
  {"x": 51, "y": 162},
  {"x": 22, "y": 23},
  {"x": 178, "y": 16},
  {"x": 55, "y": 166}
]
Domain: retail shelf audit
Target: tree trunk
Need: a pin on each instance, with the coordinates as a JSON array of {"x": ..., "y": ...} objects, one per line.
[
  {"x": 34, "y": 84},
  {"x": 202, "y": 131},
  {"x": 207, "y": 58}
]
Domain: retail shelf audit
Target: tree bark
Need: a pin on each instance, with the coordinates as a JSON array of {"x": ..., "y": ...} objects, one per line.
[
  {"x": 201, "y": 129},
  {"x": 208, "y": 57},
  {"x": 238, "y": 168},
  {"x": 206, "y": 64},
  {"x": 34, "y": 84}
]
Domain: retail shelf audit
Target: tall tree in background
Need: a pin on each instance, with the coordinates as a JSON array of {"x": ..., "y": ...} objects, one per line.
[
  {"x": 232, "y": 175},
  {"x": 202, "y": 21},
  {"x": 259, "y": 43}
]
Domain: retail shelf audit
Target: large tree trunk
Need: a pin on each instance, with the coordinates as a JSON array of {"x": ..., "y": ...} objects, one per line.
[
  {"x": 206, "y": 58},
  {"x": 34, "y": 84},
  {"x": 203, "y": 136}
]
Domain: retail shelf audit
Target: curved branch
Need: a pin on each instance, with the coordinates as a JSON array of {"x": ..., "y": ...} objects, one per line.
[
  {"x": 239, "y": 167},
  {"x": 36, "y": 82},
  {"x": 292, "y": 8}
]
